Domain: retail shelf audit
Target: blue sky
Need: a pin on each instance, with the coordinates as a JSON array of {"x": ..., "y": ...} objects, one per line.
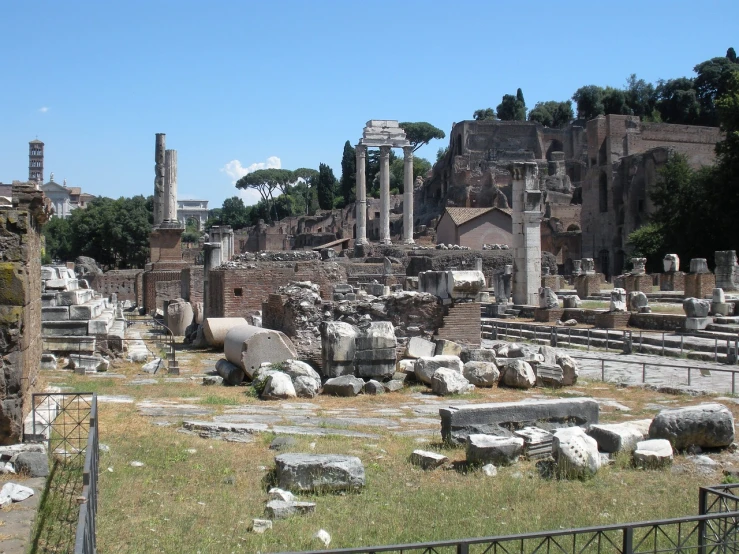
[{"x": 249, "y": 84}]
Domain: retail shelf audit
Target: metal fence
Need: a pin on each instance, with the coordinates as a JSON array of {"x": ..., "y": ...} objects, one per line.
[
  {"x": 712, "y": 531},
  {"x": 68, "y": 423},
  {"x": 167, "y": 341}
]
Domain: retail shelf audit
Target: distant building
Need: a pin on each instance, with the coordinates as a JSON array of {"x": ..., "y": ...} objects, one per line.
[
  {"x": 6, "y": 194},
  {"x": 36, "y": 161},
  {"x": 192, "y": 211},
  {"x": 65, "y": 199},
  {"x": 474, "y": 227}
]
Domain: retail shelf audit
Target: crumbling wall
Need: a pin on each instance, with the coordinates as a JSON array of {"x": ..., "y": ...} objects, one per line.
[
  {"x": 191, "y": 283},
  {"x": 299, "y": 308},
  {"x": 238, "y": 289},
  {"x": 121, "y": 282},
  {"x": 20, "y": 305}
]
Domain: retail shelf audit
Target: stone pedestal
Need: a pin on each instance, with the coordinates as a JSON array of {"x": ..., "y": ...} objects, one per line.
[
  {"x": 697, "y": 323},
  {"x": 165, "y": 244},
  {"x": 672, "y": 281},
  {"x": 552, "y": 315},
  {"x": 587, "y": 285},
  {"x": 612, "y": 320},
  {"x": 699, "y": 285},
  {"x": 551, "y": 281},
  {"x": 638, "y": 283},
  {"x": 727, "y": 269}
]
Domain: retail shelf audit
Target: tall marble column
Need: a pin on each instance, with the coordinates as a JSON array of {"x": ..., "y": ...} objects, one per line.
[
  {"x": 408, "y": 195},
  {"x": 361, "y": 204},
  {"x": 170, "y": 187},
  {"x": 526, "y": 220},
  {"x": 211, "y": 260},
  {"x": 385, "y": 195},
  {"x": 159, "y": 171}
]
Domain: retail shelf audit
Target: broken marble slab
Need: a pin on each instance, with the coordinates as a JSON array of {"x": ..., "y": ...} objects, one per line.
[{"x": 171, "y": 409}]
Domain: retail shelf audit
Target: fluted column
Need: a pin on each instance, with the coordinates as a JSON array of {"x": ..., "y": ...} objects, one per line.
[
  {"x": 170, "y": 187},
  {"x": 408, "y": 195},
  {"x": 361, "y": 204},
  {"x": 159, "y": 171},
  {"x": 385, "y": 195}
]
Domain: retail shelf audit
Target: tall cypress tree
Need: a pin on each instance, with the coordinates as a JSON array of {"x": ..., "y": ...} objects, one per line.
[
  {"x": 348, "y": 173},
  {"x": 325, "y": 187}
]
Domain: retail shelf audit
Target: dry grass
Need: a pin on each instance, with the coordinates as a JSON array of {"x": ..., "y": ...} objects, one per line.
[{"x": 205, "y": 501}]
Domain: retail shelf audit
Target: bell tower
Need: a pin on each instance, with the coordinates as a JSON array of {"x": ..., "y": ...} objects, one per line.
[{"x": 36, "y": 161}]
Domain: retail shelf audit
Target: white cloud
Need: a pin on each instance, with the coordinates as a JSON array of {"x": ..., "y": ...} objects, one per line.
[
  {"x": 43, "y": 109},
  {"x": 236, "y": 171}
]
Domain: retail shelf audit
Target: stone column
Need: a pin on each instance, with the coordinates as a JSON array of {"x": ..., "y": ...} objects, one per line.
[
  {"x": 526, "y": 233},
  {"x": 170, "y": 187},
  {"x": 385, "y": 195},
  {"x": 361, "y": 204},
  {"x": 408, "y": 195},
  {"x": 159, "y": 158},
  {"x": 211, "y": 259}
]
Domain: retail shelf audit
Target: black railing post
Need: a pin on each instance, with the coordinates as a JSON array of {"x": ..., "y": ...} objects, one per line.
[
  {"x": 463, "y": 548},
  {"x": 628, "y": 541},
  {"x": 702, "y": 510}
]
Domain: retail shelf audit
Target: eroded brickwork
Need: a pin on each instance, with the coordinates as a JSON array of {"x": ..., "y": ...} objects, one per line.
[
  {"x": 20, "y": 305},
  {"x": 121, "y": 282}
]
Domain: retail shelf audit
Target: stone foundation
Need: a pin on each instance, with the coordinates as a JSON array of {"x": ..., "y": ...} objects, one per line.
[
  {"x": 612, "y": 320},
  {"x": 588, "y": 285},
  {"x": 638, "y": 283},
  {"x": 551, "y": 281},
  {"x": 699, "y": 285},
  {"x": 553, "y": 315},
  {"x": 672, "y": 281}
]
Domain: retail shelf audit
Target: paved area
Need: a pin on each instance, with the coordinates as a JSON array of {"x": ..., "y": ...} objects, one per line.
[
  {"x": 658, "y": 371},
  {"x": 17, "y": 519}
]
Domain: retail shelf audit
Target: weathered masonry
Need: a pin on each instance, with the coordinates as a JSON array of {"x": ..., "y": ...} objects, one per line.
[{"x": 20, "y": 305}]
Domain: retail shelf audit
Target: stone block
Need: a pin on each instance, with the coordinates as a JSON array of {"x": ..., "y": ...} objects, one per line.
[
  {"x": 696, "y": 308},
  {"x": 615, "y": 437},
  {"x": 74, "y": 297},
  {"x": 419, "y": 348},
  {"x": 545, "y": 315},
  {"x": 249, "y": 347},
  {"x": 346, "y": 385},
  {"x": 697, "y": 323},
  {"x": 427, "y": 460},
  {"x": 215, "y": 329},
  {"x": 32, "y": 464},
  {"x": 548, "y": 298},
  {"x": 571, "y": 301},
  {"x": 65, "y": 343},
  {"x": 425, "y": 368},
  {"x": 708, "y": 425},
  {"x": 447, "y": 348},
  {"x": 517, "y": 373},
  {"x": 699, "y": 285},
  {"x": 489, "y": 449},
  {"x": 672, "y": 281},
  {"x": 56, "y": 313},
  {"x": 671, "y": 263},
  {"x": 457, "y": 422},
  {"x": 88, "y": 310},
  {"x": 612, "y": 320},
  {"x": 338, "y": 348},
  {"x": 64, "y": 328},
  {"x": 588, "y": 285},
  {"x": 319, "y": 472},
  {"x": 232, "y": 374},
  {"x": 575, "y": 453},
  {"x": 279, "y": 386},
  {"x": 653, "y": 454},
  {"x": 180, "y": 316},
  {"x": 446, "y": 381},
  {"x": 481, "y": 374},
  {"x": 48, "y": 299},
  {"x": 101, "y": 325}
]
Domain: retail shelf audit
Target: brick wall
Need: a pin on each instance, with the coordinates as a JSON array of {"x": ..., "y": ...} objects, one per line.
[
  {"x": 120, "y": 282},
  {"x": 167, "y": 290},
  {"x": 192, "y": 283},
  {"x": 151, "y": 278},
  {"x": 20, "y": 306},
  {"x": 238, "y": 292}
]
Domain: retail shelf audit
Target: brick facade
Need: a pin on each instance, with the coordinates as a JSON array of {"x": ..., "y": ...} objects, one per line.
[
  {"x": 239, "y": 292},
  {"x": 191, "y": 279},
  {"x": 699, "y": 285},
  {"x": 123, "y": 283}
]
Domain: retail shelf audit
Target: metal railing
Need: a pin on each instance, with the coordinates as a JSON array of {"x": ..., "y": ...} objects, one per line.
[
  {"x": 714, "y": 531},
  {"x": 68, "y": 422},
  {"x": 556, "y": 334},
  {"x": 169, "y": 342}
]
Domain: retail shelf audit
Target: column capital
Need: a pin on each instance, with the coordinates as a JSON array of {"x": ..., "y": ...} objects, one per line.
[
  {"x": 360, "y": 150},
  {"x": 408, "y": 151},
  {"x": 385, "y": 151}
]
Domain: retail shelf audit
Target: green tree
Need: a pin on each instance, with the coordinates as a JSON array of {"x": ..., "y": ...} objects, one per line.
[
  {"x": 265, "y": 181},
  {"x": 348, "y": 173},
  {"x": 712, "y": 80},
  {"x": 731, "y": 55},
  {"x": 552, "y": 114},
  {"x": 58, "y": 240},
  {"x": 677, "y": 101},
  {"x": 421, "y": 166},
  {"x": 421, "y": 133},
  {"x": 325, "y": 187},
  {"x": 589, "y": 101},
  {"x": 614, "y": 102},
  {"x": 486, "y": 114},
  {"x": 512, "y": 108},
  {"x": 235, "y": 213},
  {"x": 641, "y": 97},
  {"x": 305, "y": 187},
  {"x": 441, "y": 152}
]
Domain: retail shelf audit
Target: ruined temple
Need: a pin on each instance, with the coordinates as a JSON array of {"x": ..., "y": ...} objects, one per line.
[{"x": 624, "y": 159}]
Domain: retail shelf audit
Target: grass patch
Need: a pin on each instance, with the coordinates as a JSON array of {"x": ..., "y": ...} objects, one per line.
[
  {"x": 56, "y": 522},
  {"x": 217, "y": 400}
]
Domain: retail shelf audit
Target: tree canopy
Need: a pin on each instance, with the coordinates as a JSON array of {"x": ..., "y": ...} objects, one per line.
[
  {"x": 348, "y": 172},
  {"x": 552, "y": 114},
  {"x": 485, "y": 114},
  {"x": 512, "y": 108},
  {"x": 421, "y": 133},
  {"x": 265, "y": 181},
  {"x": 325, "y": 187}
]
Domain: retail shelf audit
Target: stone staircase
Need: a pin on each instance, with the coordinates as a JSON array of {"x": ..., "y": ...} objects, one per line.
[{"x": 462, "y": 324}]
